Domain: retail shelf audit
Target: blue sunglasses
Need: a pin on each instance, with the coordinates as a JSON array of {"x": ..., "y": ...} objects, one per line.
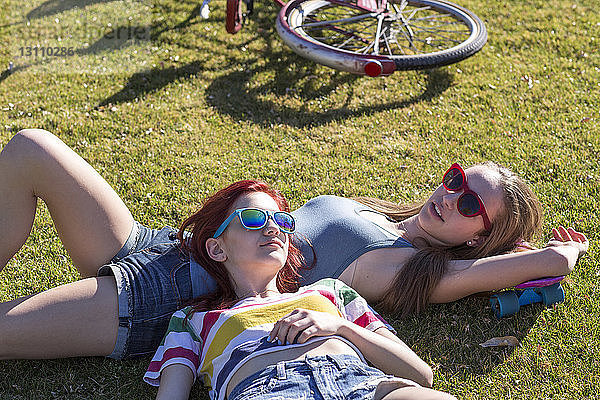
[{"x": 256, "y": 218}]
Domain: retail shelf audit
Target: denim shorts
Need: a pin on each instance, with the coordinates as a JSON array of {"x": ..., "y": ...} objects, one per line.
[
  {"x": 154, "y": 279},
  {"x": 331, "y": 377}
]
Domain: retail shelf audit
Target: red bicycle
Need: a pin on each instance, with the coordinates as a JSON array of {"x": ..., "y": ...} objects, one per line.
[{"x": 373, "y": 37}]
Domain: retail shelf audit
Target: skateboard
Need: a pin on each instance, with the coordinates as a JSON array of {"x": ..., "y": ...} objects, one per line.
[{"x": 547, "y": 291}]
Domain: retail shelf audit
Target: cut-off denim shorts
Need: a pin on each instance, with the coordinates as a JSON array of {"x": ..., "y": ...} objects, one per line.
[
  {"x": 331, "y": 377},
  {"x": 154, "y": 279}
]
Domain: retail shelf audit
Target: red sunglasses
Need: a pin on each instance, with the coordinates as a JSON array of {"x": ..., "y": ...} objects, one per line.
[{"x": 469, "y": 203}]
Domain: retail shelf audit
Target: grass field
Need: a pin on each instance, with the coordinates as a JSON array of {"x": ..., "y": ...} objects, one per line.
[{"x": 175, "y": 108}]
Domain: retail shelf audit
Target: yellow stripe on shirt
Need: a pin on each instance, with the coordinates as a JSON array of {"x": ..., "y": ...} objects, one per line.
[{"x": 261, "y": 315}]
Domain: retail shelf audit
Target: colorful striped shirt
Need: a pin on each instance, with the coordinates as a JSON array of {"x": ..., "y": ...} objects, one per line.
[{"x": 214, "y": 344}]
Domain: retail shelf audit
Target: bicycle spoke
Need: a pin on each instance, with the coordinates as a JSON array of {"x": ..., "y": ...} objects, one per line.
[
  {"x": 433, "y": 28},
  {"x": 387, "y": 43},
  {"x": 420, "y": 30},
  {"x": 433, "y": 17},
  {"x": 349, "y": 35},
  {"x": 342, "y": 46},
  {"x": 364, "y": 50},
  {"x": 414, "y": 11},
  {"x": 440, "y": 37},
  {"x": 378, "y": 34},
  {"x": 400, "y": 48},
  {"x": 337, "y": 21},
  {"x": 410, "y": 41}
]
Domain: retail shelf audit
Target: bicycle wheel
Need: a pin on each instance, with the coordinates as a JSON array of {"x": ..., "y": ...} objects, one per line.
[{"x": 376, "y": 37}]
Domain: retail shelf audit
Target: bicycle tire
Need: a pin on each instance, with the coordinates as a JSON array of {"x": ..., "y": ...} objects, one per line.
[
  {"x": 233, "y": 16},
  {"x": 312, "y": 29}
]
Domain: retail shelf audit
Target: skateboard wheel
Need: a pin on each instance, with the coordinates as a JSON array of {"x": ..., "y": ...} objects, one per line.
[
  {"x": 552, "y": 294},
  {"x": 505, "y": 303}
]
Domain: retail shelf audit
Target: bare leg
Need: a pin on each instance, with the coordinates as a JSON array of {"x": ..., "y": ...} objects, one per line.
[
  {"x": 92, "y": 221},
  {"x": 76, "y": 319},
  {"x": 79, "y": 318},
  {"x": 412, "y": 393}
]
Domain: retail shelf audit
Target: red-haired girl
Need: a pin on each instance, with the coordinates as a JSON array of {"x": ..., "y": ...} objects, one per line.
[{"x": 259, "y": 336}]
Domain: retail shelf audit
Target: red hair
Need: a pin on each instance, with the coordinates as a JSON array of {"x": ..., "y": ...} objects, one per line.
[{"x": 205, "y": 222}]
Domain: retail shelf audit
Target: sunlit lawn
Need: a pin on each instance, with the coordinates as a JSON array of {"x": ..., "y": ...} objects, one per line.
[{"x": 186, "y": 108}]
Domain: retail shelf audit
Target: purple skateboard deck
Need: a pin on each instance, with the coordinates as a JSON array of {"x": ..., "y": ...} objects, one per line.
[{"x": 540, "y": 282}]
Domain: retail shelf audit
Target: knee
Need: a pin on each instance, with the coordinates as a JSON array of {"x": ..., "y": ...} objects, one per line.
[
  {"x": 28, "y": 144},
  {"x": 26, "y": 138}
]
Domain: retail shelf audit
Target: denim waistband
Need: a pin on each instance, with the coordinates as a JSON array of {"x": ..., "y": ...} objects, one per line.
[
  {"x": 309, "y": 362},
  {"x": 324, "y": 376}
]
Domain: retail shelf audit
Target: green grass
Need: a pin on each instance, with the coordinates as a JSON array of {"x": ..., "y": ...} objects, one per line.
[{"x": 187, "y": 109}]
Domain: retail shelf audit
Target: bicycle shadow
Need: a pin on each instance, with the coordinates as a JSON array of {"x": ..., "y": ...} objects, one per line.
[
  {"x": 251, "y": 100},
  {"x": 450, "y": 335},
  {"x": 6, "y": 73},
  {"x": 142, "y": 83},
  {"x": 53, "y": 7}
]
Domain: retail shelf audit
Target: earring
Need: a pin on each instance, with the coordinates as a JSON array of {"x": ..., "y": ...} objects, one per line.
[{"x": 469, "y": 243}]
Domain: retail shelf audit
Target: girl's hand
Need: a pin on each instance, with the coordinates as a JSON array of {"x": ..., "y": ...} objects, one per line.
[
  {"x": 569, "y": 237},
  {"x": 570, "y": 243},
  {"x": 300, "y": 325}
]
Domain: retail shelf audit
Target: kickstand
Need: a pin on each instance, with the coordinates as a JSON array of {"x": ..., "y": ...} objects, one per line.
[{"x": 249, "y": 6}]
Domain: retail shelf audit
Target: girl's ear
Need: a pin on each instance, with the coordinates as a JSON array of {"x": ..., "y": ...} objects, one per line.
[
  {"x": 215, "y": 250},
  {"x": 476, "y": 241}
]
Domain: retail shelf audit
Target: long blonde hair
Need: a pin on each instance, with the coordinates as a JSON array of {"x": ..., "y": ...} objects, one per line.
[{"x": 519, "y": 220}]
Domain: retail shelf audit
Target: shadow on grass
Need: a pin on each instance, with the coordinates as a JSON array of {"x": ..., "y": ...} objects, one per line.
[
  {"x": 123, "y": 36},
  {"x": 118, "y": 38},
  {"x": 450, "y": 335},
  {"x": 5, "y": 74},
  {"x": 90, "y": 378},
  {"x": 142, "y": 83},
  {"x": 251, "y": 102},
  {"x": 259, "y": 84},
  {"x": 255, "y": 89},
  {"x": 234, "y": 95},
  {"x": 53, "y": 7}
]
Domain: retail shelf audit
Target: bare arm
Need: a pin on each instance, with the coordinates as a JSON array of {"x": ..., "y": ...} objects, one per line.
[
  {"x": 388, "y": 353},
  {"x": 175, "y": 382},
  {"x": 382, "y": 348},
  {"x": 466, "y": 277}
]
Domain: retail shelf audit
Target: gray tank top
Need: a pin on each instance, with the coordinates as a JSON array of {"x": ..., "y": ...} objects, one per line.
[{"x": 338, "y": 234}]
